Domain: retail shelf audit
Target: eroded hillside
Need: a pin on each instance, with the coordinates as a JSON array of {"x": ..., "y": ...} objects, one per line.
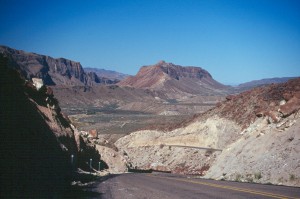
[{"x": 255, "y": 132}]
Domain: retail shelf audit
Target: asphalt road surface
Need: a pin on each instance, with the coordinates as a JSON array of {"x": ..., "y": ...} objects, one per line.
[{"x": 164, "y": 186}]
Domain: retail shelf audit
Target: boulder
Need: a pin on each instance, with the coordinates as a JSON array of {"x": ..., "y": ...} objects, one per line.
[
  {"x": 273, "y": 116},
  {"x": 38, "y": 83},
  {"x": 259, "y": 112},
  {"x": 292, "y": 106},
  {"x": 282, "y": 102},
  {"x": 93, "y": 134},
  {"x": 229, "y": 97}
]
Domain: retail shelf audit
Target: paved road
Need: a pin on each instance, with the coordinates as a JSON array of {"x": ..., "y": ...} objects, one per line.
[{"x": 162, "y": 186}]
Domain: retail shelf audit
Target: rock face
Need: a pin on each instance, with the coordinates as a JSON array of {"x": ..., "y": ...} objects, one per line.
[
  {"x": 265, "y": 153},
  {"x": 167, "y": 76},
  {"x": 115, "y": 161},
  {"x": 52, "y": 71},
  {"x": 159, "y": 150}
]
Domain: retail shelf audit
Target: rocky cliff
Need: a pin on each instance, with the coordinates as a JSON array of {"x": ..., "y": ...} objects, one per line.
[{"x": 59, "y": 71}]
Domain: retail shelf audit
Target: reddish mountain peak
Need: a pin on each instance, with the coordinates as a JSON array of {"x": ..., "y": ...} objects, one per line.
[
  {"x": 164, "y": 74},
  {"x": 174, "y": 71}
]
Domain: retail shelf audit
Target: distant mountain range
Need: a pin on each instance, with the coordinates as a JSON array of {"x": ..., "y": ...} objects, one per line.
[
  {"x": 256, "y": 83},
  {"x": 53, "y": 71},
  {"x": 158, "y": 87},
  {"x": 161, "y": 76},
  {"x": 109, "y": 74}
]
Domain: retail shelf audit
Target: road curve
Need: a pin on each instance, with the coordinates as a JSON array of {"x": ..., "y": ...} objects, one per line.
[{"x": 165, "y": 186}]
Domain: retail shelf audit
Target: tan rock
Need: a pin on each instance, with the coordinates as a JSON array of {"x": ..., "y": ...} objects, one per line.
[
  {"x": 282, "y": 102},
  {"x": 38, "y": 83},
  {"x": 273, "y": 116},
  {"x": 93, "y": 134},
  {"x": 114, "y": 160}
]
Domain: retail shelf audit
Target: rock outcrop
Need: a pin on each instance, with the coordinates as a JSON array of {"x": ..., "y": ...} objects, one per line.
[
  {"x": 114, "y": 160},
  {"x": 187, "y": 150}
]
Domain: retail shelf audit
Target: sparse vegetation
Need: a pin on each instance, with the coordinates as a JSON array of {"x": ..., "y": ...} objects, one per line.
[
  {"x": 292, "y": 177},
  {"x": 238, "y": 177},
  {"x": 249, "y": 178},
  {"x": 109, "y": 121},
  {"x": 172, "y": 101},
  {"x": 268, "y": 183},
  {"x": 280, "y": 180},
  {"x": 208, "y": 152},
  {"x": 257, "y": 175}
]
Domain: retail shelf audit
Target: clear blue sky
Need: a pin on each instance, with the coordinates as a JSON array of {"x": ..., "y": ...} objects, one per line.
[{"x": 235, "y": 40}]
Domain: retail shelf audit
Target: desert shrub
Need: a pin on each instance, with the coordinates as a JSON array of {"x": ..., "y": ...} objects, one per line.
[
  {"x": 249, "y": 179},
  {"x": 208, "y": 152},
  {"x": 280, "y": 179},
  {"x": 172, "y": 101},
  {"x": 292, "y": 177},
  {"x": 258, "y": 175},
  {"x": 268, "y": 183},
  {"x": 238, "y": 177}
]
